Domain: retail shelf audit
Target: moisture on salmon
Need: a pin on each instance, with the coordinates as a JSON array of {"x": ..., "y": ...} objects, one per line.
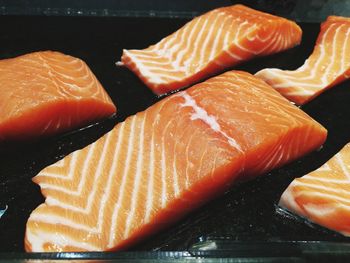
[
  {"x": 45, "y": 93},
  {"x": 327, "y": 66},
  {"x": 323, "y": 196},
  {"x": 159, "y": 164},
  {"x": 209, "y": 44}
]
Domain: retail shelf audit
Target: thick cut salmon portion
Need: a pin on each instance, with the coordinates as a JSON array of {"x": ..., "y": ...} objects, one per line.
[
  {"x": 45, "y": 93},
  {"x": 327, "y": 66},
  {"x": 209, "y": 44},
  {"x": 323, "y": 196},
  {"x": 159, "y": 164}
]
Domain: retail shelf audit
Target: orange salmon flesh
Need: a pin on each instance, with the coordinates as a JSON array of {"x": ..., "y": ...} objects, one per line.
[
  {"x": 46, "y": 93},
  {"x": 327, "y": 66},
  {"x": 160, "y": 164},
  {"x": 322, "y": 196},
  {"x": 208, "y": 44}
]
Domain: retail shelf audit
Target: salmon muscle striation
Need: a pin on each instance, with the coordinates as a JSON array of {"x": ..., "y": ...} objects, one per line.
[
  {"x": 46, "y": 93},
  {"x": 209, "y": 44},
  {"x": 323, "y": 196},
  {"x": 327, "y": 66},
  {"x": 160, "y": 164}
]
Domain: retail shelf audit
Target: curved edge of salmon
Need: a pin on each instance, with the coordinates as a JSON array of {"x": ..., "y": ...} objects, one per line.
[
  {"x": 327, "y": 66},
  {"x": 322, "y": 196},
  {"x": 209, "y": 44},
  {"x": 160, "y": 164},
  {"x": 47, "y": 92}
]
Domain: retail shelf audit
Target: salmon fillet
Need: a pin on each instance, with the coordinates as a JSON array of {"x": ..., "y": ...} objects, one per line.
[
  {"x": 327, "y": 66},
  {"x": 45, "y": 93},
  {"x": 159, "y": 164},
  {"x": 322, "y": 196},
  {"x": 209, "y": 44}
]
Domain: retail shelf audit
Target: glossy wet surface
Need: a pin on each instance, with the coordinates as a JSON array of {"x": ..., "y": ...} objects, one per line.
[{"x": 247, "y": 213}]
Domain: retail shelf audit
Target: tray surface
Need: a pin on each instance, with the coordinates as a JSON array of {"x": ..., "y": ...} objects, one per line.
[{"x": 248, "y": 212}]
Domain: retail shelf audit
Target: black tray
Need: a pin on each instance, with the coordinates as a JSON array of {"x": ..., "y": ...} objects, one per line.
[{"x": 247, "y": 216}]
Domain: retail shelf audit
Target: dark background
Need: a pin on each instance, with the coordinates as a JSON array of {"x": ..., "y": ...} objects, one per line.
[
  {"x": 299, "y": 10},
  {"x": 97, "y": 31}
]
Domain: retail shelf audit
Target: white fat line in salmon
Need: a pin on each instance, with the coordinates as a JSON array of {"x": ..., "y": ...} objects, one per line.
[
  {"x": 287, "y": 200},
  {"x": 204, "y": 46},
  {"x": 178, "y": 44},
  {"x": 144, "y": 71},
  {"x": 237, "y": 38},
  {"x": 137, "y": 180},
  {"x": 116, "y": 208},
  {"x": 322, "y": 187},
  {"x": 189, "y": 41},
  {"x": 275, "y": 43},
  {"x": 167, "y": 44},
  {"x": 317, "y": 65},
  {"x": 201, "y": 114},
  {"x": 323, "y": 210},
  {"x": 330, "y": 66},
  {"x": 309, "y": 66},
  {"x": 290, "y": 83},
  {"x": 59, "y": 77},
  {"x": 344, "y": 202},
  {"x": 273, "y": 38},
  {"x": 311, "y": 178},
  {"x": 54, "y": 202},
  {"x": 252, "y": 37},
  {"x": 61, "y": 163},
  {"x": 111, "y": 175},
  {"x": 38, "y": 240},
  {"x": 235, "y": 41},
  {"x": 164, "y": 167},
  {"x": 231, "y": 54},
  {"x": 149, "y": 200},
  {"x": 345, "y": 43},
  {"x": 218, "y": 34},
  {"x": 78, "y": 193},
  {"x": 161, "y": 73},
  {"x": 82, "y": 181},
  {"x": 324, "y": 168},
  {"x": 54, "y": 219},
  {"x": 342, "y": 166},
  {"x": 195, "y": 46}
]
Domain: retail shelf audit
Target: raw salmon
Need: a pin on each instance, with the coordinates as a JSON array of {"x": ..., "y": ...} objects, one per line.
[
  {"x": 323, "y": 196},
  {"x": 209, "y": 44},
  {"x": 328, "y": 65},
  {"x": 159, "y": 164},
  {"x": 45, "y": 93}
]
